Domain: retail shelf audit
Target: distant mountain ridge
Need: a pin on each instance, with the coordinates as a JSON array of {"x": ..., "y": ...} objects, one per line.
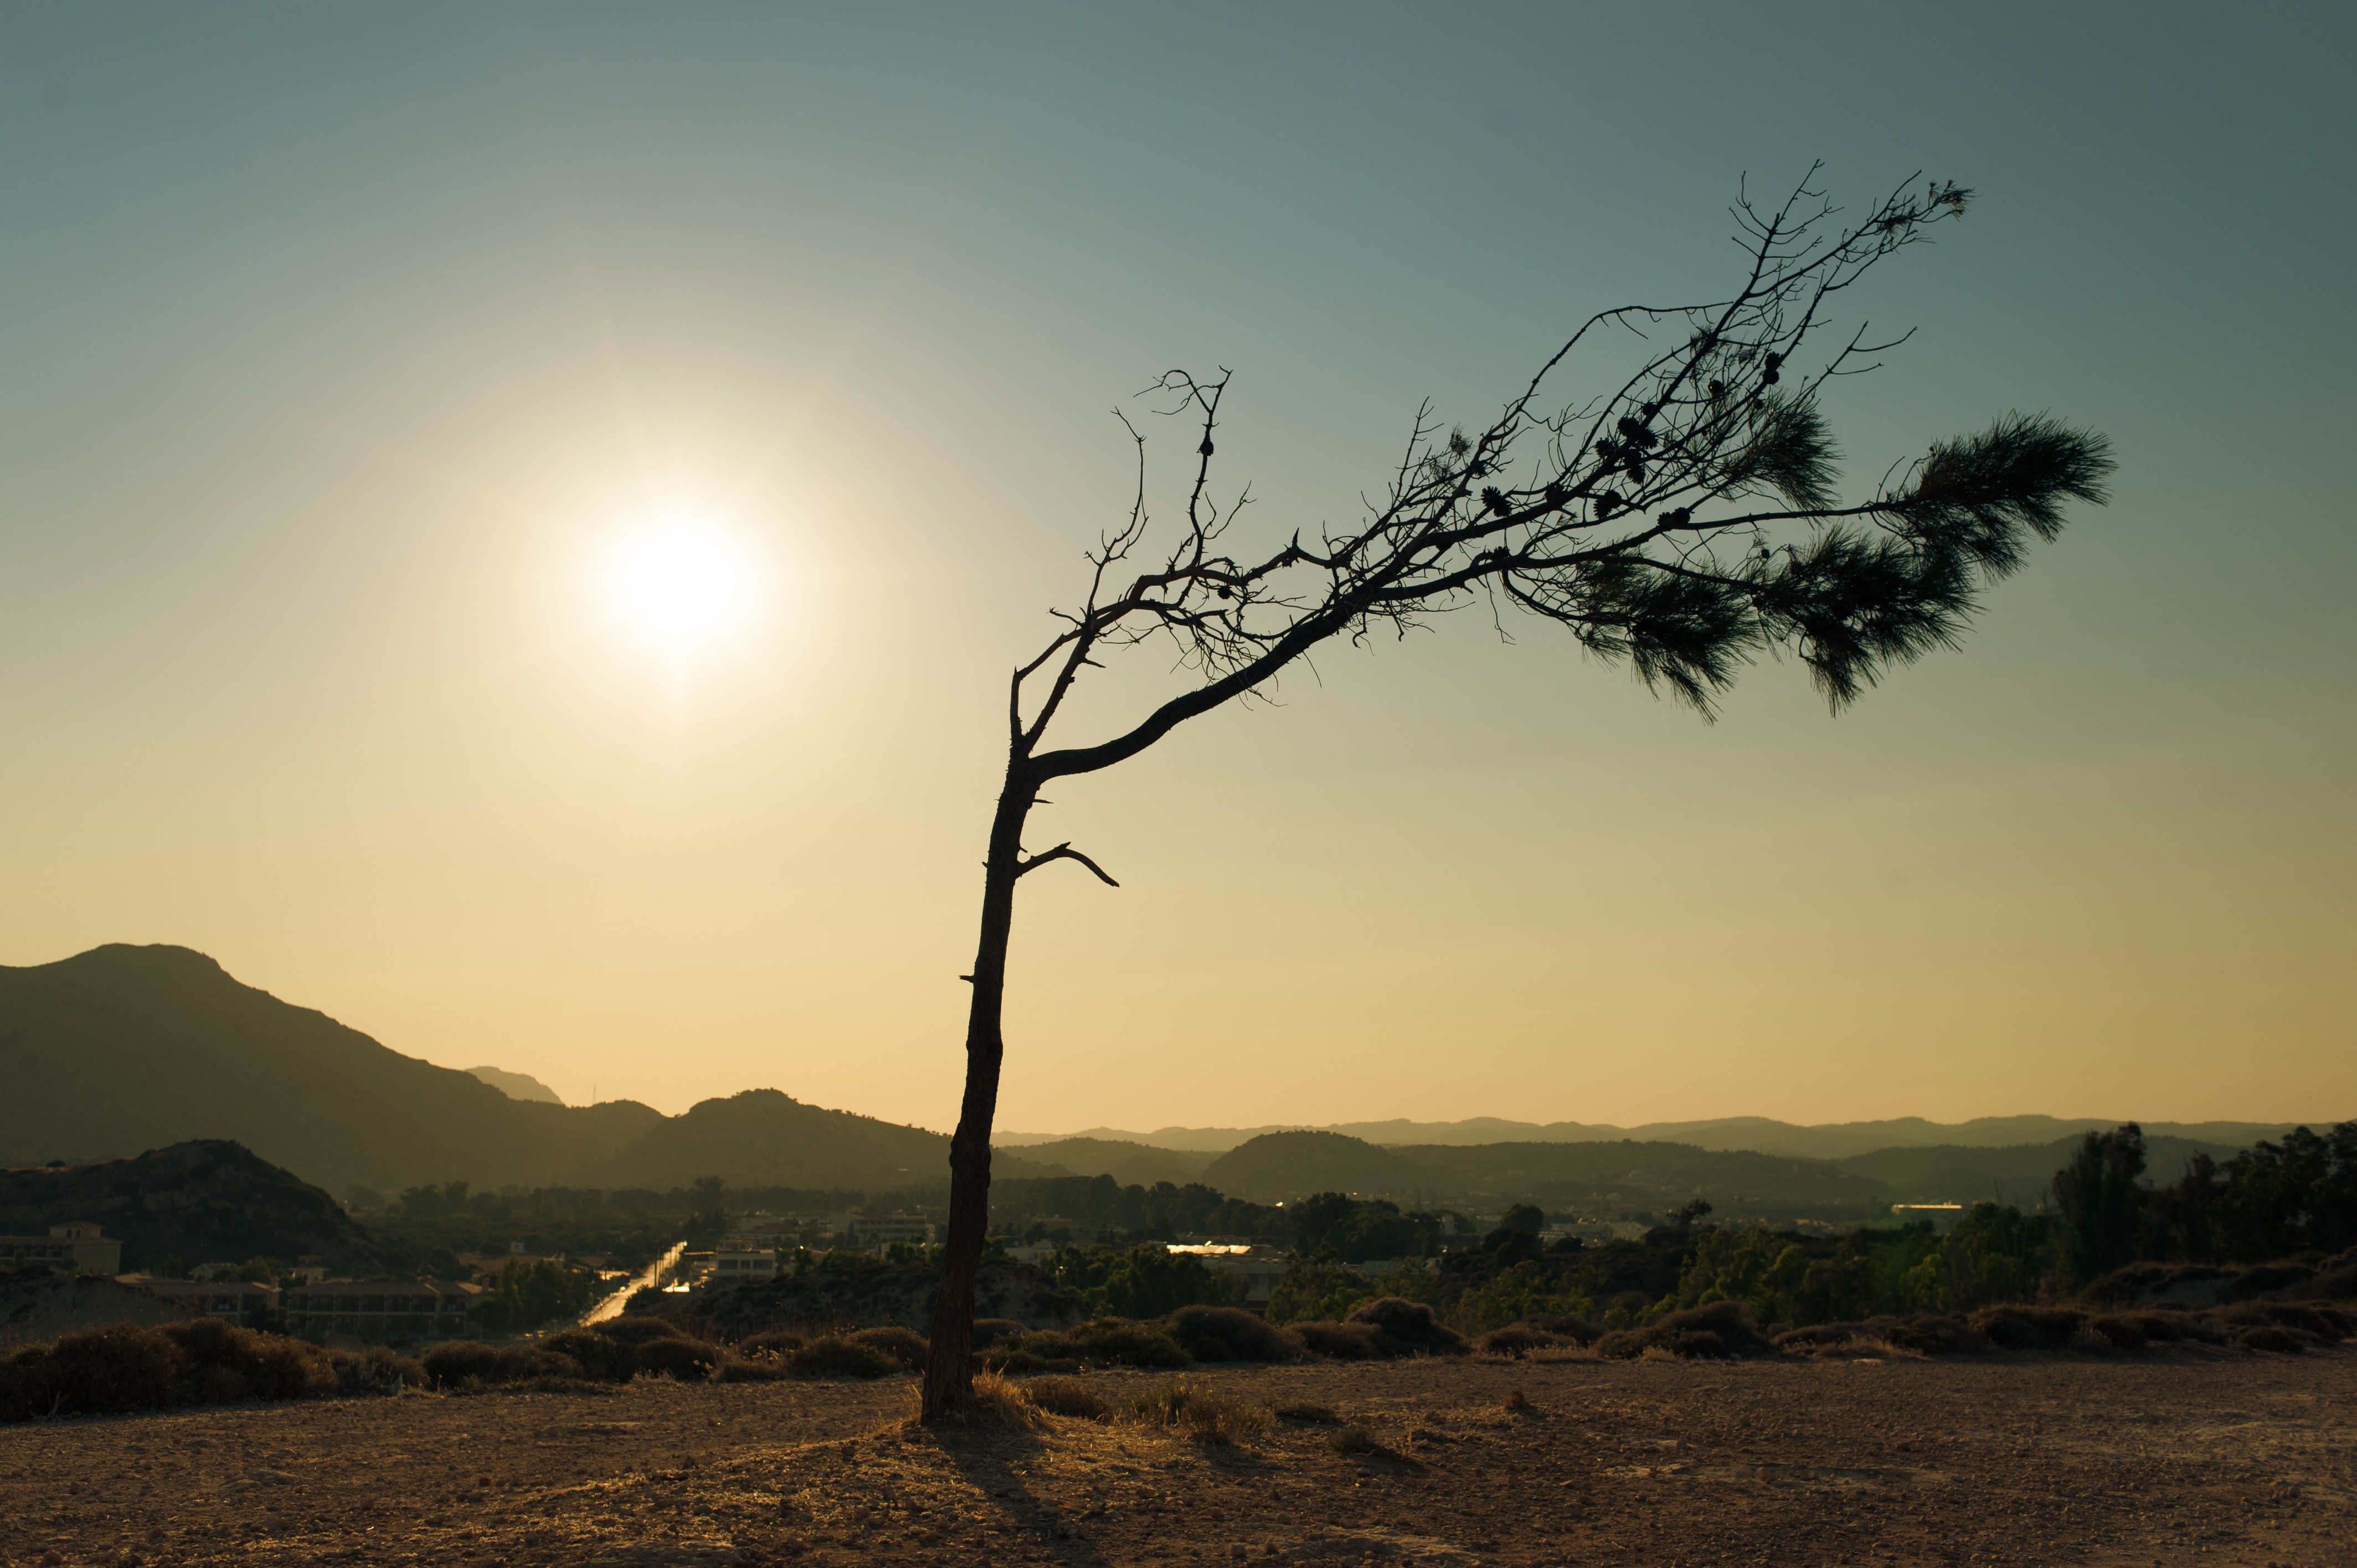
[
  {"x": 125, "y": 1048},
  {"x": 1758, "y": 1134}
]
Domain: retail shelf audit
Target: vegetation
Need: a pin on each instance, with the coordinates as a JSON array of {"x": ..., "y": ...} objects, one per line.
[{"x": 1141, "y": 1282}]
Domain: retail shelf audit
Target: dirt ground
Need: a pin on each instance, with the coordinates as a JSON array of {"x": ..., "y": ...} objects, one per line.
[{"x": 2166, "y": 1459}]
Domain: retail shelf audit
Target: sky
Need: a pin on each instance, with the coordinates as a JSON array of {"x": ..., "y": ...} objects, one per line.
[{"x": 346, "y": 350}]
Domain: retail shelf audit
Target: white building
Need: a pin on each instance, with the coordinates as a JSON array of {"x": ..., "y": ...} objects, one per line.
[
  {"x": 76, "y": 1245},
  {"x": 739, "y": 1259}
]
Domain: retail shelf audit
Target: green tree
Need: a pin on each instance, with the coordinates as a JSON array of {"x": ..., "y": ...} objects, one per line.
[
  {"x": 2099, "y": 1205},
  {"x": 1682, "y": 519}
]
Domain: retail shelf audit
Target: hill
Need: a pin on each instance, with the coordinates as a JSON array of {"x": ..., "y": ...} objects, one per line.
[
  {"x": 1827, "y": 1141},
  {"x": 1132, "y": 1164},
  {"x": 765, "y": 1138},
  {"x": 123, "y": 1048},
  {"x": 516, "y": 1085},
  {"x": 204, "y": 1201},
  {"x": 1277, "y": 1166},
  {"x": 1947, "y": 1174}
]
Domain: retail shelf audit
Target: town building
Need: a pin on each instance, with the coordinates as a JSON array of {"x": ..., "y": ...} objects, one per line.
[
  {"x": 374, "y": 1311},
  {"x": 1259, "y": 1269},
  {"x": 75, "y": 1247},
  {"x": 870, "y": 1231},
  {"x": 739, "y": 1259},
  {"x": 239, "y": 1301}
]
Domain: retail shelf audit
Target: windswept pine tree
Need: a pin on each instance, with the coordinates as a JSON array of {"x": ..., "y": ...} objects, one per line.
[{"x": 1681, "y": 518}]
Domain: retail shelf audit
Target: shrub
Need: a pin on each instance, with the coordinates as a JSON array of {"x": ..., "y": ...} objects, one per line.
[
  {"x": 1517, "y": 1339},
  {"x": 375, "y": 1370},
  {"x": 2028, "y": 1328},
  {"x": 1516, "y": 1403},
  {"x": 117, "y": 1368},
  {"x": 1410, "y": 1326},
  {"x": 121, "y": 1368},
  {"x": 903, "y": 1345},
  {"x": 1355, "y": 1439},
  {"x": 1067, "y": 1396},
  {"x": 464, "y": 1361},
  {"x": 264, "y": 1366},
  {"x": 1697, "y": 1344},
  {"x": 833, "y": 1356},
  {"x": 637, "y": 1331},
  {"x": 1578, "y": 1330},
  {"x": 991, "y": 1330},
  {"x": 2307, "y": 1319},
  {"x": 1344, "y": 1341},
  {"x": 1200, "y": 1414},
  {"x": 1103, "y": 1341},
  {"x": 2270, "y": 1338},
  {"x": 1231, "y": 1334},
  {"x": 1317, "y": 1414},
  {"x": 2120, "y": 1333},
  {"x": 735, "y": 1368},
  {"x": 770, "y": 1342},
  {"x": 684, "y": 1361},
  {"x": 601, "y": 1357}
]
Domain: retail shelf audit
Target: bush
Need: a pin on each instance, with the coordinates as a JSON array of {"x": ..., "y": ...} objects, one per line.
[
  {"x": 1578, "y": 1330},
  {"x": 600, "y": 1355},
  {"x": 1518, "y": 1339},
  {"x": 1355, "y": 1439},
  {"x": 1200, "y": 1414},
  {"x": 464, "y": 1362},
  {"x": 1067, "y": 1396},
  {"x": 637, "y": 1331},
  {"x": 684, "y": 1361},
  {"x": 1345, "y": 1341},
  {"x": 1104, "y": 1342},
  {"x": 1316, "y": 1414},
  {"x": 903, "y": 1345},
  {"x": 2028, "y": 1328},
  {"x": 2121, "y": 1332},
  {"x": 1723, "y": 1329},
  {"x": 1231, "y": 1334},
  {"x": 735, "y": 1368},
  {"x": 375, "y": 1370},
  {"x": 121, "y": 1368},
  {"x": 1697, "y": 1344},
  {"x": 770, "y": 1342},
  {"x": 991, "y": 1330},
  {"x": 833, "y": 1356},
  {"x": 2270, "y": 1338},
  {"x": 117, "y": 1368},
  {"x": 1411, "y": 1327}
]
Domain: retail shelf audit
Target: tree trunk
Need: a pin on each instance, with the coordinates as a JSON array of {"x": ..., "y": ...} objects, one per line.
[{"x": 949, "y": 1361}]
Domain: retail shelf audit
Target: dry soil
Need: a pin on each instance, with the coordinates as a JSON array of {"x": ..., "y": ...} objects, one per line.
[{"x": 2223, "y": 1459}]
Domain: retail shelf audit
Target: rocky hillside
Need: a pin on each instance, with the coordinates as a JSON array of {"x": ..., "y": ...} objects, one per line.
[{"x": 207, "y": 1200}]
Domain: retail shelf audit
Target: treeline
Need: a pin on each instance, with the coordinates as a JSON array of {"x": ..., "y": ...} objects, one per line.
[
  {"x": 1099, "y": 1207},
  {"x": 455, "y": 1199},
  {"x": 2273, "y": 1200}
]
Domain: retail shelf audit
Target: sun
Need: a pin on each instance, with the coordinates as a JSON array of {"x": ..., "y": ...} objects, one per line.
[{"x": 681, "y": 581}]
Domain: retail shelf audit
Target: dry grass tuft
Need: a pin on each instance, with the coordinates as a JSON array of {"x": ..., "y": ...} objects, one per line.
[
  {"x": 1355, "y": 1439},
  {"x": 997, "y": 1404},
  {"x": 1200, "y": 1413},
  {"x": 1065, "y": 1396},
  {"x": 1517, "y": 1402}
]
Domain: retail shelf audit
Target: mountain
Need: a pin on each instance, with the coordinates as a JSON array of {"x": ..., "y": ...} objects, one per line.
[
  {"x": 1132, "y": 1164},
  {"x": 516, "y": 1085},
  {"x": 763, "y": 1138},
  {"x": 1276, "y": 1166},
  {"x": 1828, "y": 1141},
  {"x": 1947, "y": 1174},
  {"x": 123, "y": 1048},
  {"x": 204, "y": 1201},
  {"x": 1601, "y": 1179}
]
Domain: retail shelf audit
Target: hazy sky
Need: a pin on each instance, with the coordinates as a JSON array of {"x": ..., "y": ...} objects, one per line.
[{"x": 340, "y": 346}]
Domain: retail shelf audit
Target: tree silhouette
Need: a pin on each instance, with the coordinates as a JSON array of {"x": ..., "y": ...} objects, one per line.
[{"x": 1684, "y": 521}]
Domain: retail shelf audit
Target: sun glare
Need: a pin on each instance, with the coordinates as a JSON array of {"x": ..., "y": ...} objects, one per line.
[{"x": 681, "y": 583}]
